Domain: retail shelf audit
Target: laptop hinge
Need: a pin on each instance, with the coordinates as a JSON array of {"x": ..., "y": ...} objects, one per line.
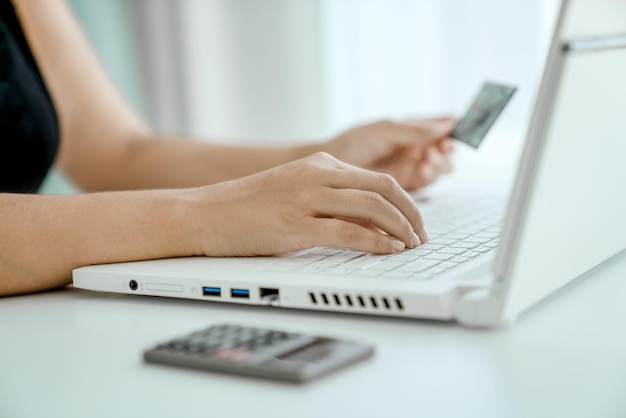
[{"x": 483, "y": 307}]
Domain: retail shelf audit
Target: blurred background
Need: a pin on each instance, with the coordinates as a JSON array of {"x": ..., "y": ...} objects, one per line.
[{"x": 287, "y": 71}]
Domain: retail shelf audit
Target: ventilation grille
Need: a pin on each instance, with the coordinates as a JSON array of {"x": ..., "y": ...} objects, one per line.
[{"x": 350, "y": 301}]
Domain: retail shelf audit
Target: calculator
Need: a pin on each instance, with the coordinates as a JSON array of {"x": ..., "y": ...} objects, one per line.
[{"x": 265, "y": 353}]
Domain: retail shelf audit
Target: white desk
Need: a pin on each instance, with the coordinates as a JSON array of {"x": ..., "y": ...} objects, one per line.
[{"x": 72, "y": 353}]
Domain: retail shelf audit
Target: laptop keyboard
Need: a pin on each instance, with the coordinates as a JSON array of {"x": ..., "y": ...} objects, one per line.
[{"x": 458, "y": 233}]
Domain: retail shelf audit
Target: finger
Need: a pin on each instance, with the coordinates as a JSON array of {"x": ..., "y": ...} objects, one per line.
[
  {"x": 433, "y": 132},
  {"x": 442, "y": 118},
  {"x": 367, "y": 225},
  {"x": 338, "y": 233},
  {"x": 446, "y": 118},
  {"x": 422, "y": 175},
  {"x": 427, "y": 173},
  {"x": 368, "y": 208},
  {"x": 418, "y": 153},
  {"x": 324, "y": 159},
  {"x": 403, "y": 134},
  {"x": 436, "y": 128},
  {"x": 446, "y": 145},
  {"x": 432, "y": 156},
  {"x": 440, "y": 161},
  {"x": 445, "y": 166},
  {"x": 383, "y": 184}
]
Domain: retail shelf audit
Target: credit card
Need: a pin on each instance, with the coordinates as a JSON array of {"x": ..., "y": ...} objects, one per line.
[{"x": 483, "y": 113}]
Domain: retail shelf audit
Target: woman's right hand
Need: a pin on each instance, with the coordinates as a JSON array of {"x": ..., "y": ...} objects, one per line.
[{"x": 314, "y": 201}]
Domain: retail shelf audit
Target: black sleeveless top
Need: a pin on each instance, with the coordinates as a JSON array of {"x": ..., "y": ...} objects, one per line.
[{"x": 29, "y": 130}]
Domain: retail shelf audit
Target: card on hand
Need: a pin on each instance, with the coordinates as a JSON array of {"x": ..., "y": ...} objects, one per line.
[{"x": 482, "y": 114}]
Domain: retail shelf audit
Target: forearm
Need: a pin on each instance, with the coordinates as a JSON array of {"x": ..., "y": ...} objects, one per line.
[
  {"x": 165, "y": 162},
  {"x": 45, "y": 237}
]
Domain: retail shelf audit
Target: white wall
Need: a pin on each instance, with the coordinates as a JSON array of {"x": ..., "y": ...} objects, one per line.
[
  {"x": 277, "y": 70},
  {"x": 253, "y": 67}
]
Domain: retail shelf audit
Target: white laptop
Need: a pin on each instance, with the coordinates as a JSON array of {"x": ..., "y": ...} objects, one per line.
[{"x": 487, "y": 260}]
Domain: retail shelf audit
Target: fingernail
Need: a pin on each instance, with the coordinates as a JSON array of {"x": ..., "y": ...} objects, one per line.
[
  {"x": 397, "y": 246},
  {"x": 424, "y": 233},
  {"x": 416, "y": 240}
]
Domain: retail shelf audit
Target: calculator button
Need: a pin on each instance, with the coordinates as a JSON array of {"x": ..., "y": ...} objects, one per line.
[
  {"x": 236, "y": 355},
  {"x": 176, "y": 345},
  {"x": 194, "y": 348}
]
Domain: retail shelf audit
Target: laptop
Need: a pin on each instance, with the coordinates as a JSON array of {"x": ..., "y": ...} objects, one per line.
[{"x": 489, "y": 258}]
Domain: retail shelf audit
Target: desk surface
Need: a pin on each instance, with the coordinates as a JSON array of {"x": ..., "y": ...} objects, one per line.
[{"x": 73, "y": 353}]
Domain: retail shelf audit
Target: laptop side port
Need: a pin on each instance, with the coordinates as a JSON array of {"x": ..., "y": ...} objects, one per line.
[
  {"x": 212, "y": 291},
  {"x": 268, "y": 295},
  {"x": 240, "y": 293}
]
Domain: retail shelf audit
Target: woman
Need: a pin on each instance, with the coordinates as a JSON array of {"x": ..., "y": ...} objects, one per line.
[{"x": 190, "y": 198}]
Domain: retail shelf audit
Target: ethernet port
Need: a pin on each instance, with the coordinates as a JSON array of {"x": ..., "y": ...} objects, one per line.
[{"x": 268, "y": 295}]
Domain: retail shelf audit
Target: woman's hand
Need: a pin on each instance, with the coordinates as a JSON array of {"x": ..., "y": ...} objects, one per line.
[
  {"x": 315, "y": 201},
  {"x": 415, "y": 153}
]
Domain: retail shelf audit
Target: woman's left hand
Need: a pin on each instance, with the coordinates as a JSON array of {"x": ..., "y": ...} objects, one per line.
[{"x": 415, "y": 153}]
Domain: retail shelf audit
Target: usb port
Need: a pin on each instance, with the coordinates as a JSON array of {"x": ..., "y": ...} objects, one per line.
[
  {"x": 240, "y": 293},
  {"x": 212, "y": 291}
]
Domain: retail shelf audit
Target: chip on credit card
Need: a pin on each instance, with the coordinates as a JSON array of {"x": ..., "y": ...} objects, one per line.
[{"x": 482, "y": 114}]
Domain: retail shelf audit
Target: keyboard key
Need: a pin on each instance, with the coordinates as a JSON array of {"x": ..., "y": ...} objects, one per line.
[
  {"x": 295, "y": 261},
  {"x": 310, "y": 257},
  {"x": 344, "y": 256},
  {"x": 365, "y": 261},
  {"x": 477, "y": 240},
  {"x": 396, "y": 275},
  {"x": 438, "y": 256},
  {"x": 324, "y": 251},
  {"x": 419, "y": 265},
  {"x": 490, "y": 235},
  {"x": 450, "y": 250},
  {"x": 419, "y": 251},
  {"x": 389, "y": 265},
  {"x": 366, "y": 265},
  {"x": 406, "y": 256},
  {"x": 463, "y": 244},
  {"x": 442, "y": 241},
  {"x": 455, "y": 236},
  {"x": 326, "y": 264},
  {"x": 448, "y": 265},
  {"x": 432, "y": 247},
  {"x": 468, "y": 231}
]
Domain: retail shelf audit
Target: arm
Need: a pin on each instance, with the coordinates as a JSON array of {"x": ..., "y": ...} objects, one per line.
[
  {"x": 45, "y": 237},
  {"x": 106, "y": 146},
  {"x": 298, "y": 205}
]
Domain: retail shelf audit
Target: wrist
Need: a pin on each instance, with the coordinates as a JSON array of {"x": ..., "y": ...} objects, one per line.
[
  {"x": 301, "y": 151},
  {"x": 188, "y": 207}
]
